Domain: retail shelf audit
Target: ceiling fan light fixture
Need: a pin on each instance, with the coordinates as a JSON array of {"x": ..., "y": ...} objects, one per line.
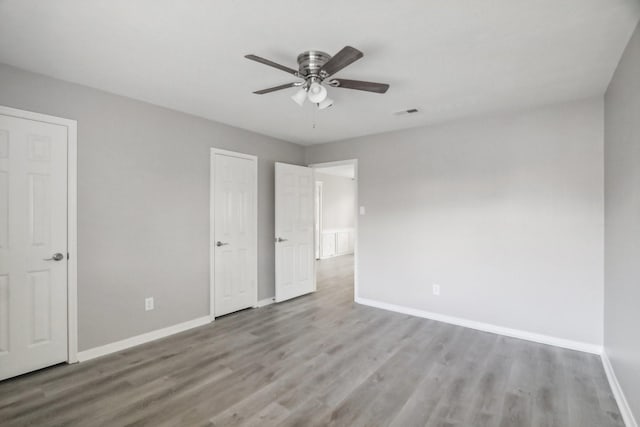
[
  {"x": 317, "y": 93},
  {"x": 316, "y": 70},
  {"x": 300, "y": 96},
  {"x": 328, "y": 102}
]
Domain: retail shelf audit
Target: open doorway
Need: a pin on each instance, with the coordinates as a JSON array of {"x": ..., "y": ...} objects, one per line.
[{"x": 336, "y": 201}]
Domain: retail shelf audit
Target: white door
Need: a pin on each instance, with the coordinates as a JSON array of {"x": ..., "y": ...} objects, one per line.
[
  {"x": 295, "y": 272},
  {"x": 33, "y": 245},
  {"x": 234, "y": 232}
]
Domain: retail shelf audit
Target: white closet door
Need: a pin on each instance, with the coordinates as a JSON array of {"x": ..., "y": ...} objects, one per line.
[
  {"x": 235, "y": 234},
  {"x": 294, "y": 192},
  {"x": 33, "y": 245}
]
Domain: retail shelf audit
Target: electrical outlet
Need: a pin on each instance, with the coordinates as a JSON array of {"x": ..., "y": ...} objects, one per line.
[
  {"x": 436, "y": 289},
  {"x": 148, "y": 304}
]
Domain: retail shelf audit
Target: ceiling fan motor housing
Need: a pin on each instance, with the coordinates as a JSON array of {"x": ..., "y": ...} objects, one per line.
[{"x": 311, "y": 61}]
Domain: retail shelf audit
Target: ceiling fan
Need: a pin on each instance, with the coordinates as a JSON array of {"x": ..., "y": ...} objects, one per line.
[{"x": 315, "y": 68}]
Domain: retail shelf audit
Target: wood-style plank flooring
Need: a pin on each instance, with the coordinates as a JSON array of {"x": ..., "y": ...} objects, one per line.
[{"x": 321, "y": 360}]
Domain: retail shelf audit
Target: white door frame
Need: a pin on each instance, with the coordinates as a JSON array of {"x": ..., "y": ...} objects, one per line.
[
  {"x": 318, "y": 220},
  {"x": 353, "y": 162},
  {"x": 212, "y": 252},
  {"x": 72, "y": 219}
]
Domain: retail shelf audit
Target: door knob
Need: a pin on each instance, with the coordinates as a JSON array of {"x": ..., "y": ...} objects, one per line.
[
  {"x": 56, "y": 257},
  {"x": 219, "y": 243},
  {"x": 280, "y": 239}
]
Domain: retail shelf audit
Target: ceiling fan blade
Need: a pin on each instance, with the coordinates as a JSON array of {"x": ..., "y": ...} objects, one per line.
[
  {"x": 275, "y": 88},
  {"x": 272, "y": 64},
  {"x": 360, "y": 85},
  {"x": 341, "y": 59}
]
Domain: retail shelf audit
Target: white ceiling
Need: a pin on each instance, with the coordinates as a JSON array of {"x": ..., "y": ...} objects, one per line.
[
  {"x": 345, "y": 171},
  {"x": 450, "y": 58}
]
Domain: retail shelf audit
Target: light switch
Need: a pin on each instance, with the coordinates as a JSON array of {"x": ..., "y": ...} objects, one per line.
[{"x": 362, "y": 211}]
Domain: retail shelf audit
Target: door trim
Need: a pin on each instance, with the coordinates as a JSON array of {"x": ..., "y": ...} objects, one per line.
[
  {"x": 356, "y": 232},
  {"x": 317, "y": 211},
  {"x": 72, "y": 219},
  {"x": 254, "y": 159}
]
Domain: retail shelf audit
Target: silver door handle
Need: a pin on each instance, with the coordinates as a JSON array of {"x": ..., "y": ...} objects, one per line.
[
  {"x": 56, "y": 257},
  {"x": 219, "y": 243},
  {"x": 280, "y": 240}
]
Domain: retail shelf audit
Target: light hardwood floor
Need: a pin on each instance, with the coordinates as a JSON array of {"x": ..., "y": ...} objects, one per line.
[{"x": 321, "y": 360}]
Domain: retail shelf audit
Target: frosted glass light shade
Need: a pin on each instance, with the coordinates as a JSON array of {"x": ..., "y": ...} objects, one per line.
[
  {"x": 299, "y": 97},
  {"x": 328, "y": 102},
  {"x": 317, "y": 93}
]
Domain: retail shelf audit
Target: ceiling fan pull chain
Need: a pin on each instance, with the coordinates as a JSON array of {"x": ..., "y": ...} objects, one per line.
[{"x": 315, "y": 115}]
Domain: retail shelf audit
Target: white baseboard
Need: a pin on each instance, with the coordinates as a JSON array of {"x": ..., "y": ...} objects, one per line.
[
  {"x": 265, "y": 301},
  {"x": 486, "y": 327},
  {"x": 621, "y": 399},
  {"x": 141, "y": 339}
]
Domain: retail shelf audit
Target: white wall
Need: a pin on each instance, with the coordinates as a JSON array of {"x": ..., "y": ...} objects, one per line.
[
  {"x": 504, "y": 212},
  {"x": 622, "y": 232},
  {"x": 338, "y": 201}
]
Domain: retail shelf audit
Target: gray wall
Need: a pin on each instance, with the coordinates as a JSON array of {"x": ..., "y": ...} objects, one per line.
[
  {"x": 143, "y": 204},
  {"x": 338, "y": 201},
  {"x": 504, "y": 212},
  {"x": 622, "y": 226}
]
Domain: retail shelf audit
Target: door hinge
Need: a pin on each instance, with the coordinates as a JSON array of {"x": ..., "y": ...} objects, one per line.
[{"x": 67, "y": 255}]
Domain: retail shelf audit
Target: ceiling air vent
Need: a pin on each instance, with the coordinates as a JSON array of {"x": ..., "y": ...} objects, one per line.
[{"x": 405, "y": 112}]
